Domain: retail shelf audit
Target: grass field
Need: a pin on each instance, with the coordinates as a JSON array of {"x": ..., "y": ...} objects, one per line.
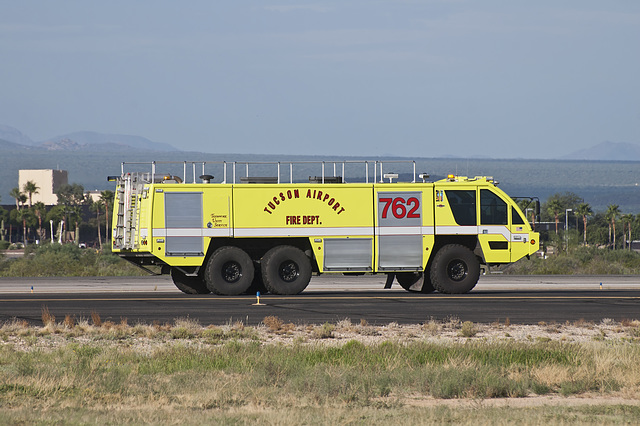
[{"x": 89, "y": 371}]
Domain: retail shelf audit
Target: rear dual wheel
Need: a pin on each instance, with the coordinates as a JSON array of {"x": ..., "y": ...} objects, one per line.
[
  {"x": 286, "y": 270},
  {"x": 229, "y": 271}
]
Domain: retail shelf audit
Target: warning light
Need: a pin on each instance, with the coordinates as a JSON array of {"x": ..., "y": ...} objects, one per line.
[{"x": 533, "y": 242}]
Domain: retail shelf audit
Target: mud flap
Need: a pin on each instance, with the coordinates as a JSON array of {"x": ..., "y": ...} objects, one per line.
[
  {"x": 390, "y": 278},
  {"x": 417, "y": 286}
]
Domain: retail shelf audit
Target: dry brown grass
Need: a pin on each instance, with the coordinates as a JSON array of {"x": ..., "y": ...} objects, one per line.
[{"x": 118, "y": 382}]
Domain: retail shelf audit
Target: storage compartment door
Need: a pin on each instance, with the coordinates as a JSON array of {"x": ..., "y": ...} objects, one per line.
[
  {"x": 400, "y": 231},
  {"x": 183, "y": 221}
]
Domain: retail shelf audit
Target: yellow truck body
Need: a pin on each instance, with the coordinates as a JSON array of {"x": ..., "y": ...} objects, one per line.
[{"x": 268, "y": 234}]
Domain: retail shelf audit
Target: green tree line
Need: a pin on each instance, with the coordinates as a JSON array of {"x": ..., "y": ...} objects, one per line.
[
  {"x": 30, "y": 222},
  {"x": 573, "y": 222}
]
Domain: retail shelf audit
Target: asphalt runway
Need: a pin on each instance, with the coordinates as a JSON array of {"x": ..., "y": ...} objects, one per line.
[{"x": 521, "y": 299}]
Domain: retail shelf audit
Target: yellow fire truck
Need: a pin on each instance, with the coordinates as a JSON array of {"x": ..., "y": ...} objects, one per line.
[{"x": 246, "y": 232}]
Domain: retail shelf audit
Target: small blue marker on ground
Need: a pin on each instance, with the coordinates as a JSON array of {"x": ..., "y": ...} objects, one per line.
[{"x": 258, "y": 300}]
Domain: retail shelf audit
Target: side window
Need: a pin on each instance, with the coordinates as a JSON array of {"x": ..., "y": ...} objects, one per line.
[
  {"x": 463, "y": 206},
  {"x": 493, "y": 211},
  {"x": 516, "y": 219}
]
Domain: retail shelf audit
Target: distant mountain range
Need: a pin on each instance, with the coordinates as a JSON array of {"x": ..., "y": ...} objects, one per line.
[
  {"x": 13, "y": 139},
  {"x": 607, "y": 151}
]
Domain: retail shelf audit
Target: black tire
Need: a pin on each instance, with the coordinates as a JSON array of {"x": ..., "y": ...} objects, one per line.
[
  {"x": 187, "y": 284},
  {"x": 286, "y": 270},
  {"x": 408, "y": 279},
  {"x": 454, "y": 270},
  {"x": 229, "y": 271}
]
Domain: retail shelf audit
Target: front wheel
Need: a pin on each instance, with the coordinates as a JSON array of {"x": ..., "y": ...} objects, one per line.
[
  {"x": 286, "y": 270},
  {"x": 415, "y": 282},
  {"x": 455, "y": 269},
  {"x": 229, "y": 271}
]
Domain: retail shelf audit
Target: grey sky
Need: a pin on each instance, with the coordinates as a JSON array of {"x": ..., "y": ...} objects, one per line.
[{"x": 414, "y": 78}]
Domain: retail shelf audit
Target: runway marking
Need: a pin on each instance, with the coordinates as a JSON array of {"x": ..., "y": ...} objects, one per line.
[{"x": 296, "y": 298}]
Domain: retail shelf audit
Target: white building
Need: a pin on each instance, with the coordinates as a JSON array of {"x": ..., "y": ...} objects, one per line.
[{"x": 47, "y": 180}]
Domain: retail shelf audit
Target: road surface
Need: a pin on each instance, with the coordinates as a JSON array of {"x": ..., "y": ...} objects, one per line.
[{"x": 521, "y": 299}]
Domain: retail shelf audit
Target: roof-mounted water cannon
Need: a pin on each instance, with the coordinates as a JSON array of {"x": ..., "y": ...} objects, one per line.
[
  {"x": 391, "y": 176},
  {"x": 424, "y": 177}
]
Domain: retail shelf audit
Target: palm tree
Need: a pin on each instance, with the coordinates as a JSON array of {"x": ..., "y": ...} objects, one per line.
[
  {"x": 39, "y": 209},
  {"x": 22, "y": 215},
  {"x": 96, "y": 208},
  {"x": 554, "y": 207},
  {"x": 30, "y": 188},
  {"x": 627, "y": 219},
  {"x": 584, "y": 210},
  {"x": 15, "y": 193},
  {"x": 23, "y": 199},
  {"x": 72, "y": 197},
  {"x": 106, "y": 198},
  {"x": 613, "y": 212}
]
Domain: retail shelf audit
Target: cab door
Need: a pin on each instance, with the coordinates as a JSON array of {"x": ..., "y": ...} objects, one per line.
[
  {"x": 520, "y": 243},
  {"x": 494, "y": 232}
]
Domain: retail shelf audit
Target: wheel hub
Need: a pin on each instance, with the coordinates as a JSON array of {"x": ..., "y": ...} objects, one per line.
[
  {"x": 457, "y": 270},
  {"x": 289, "y": 271},
  {"x": 231, "y": 272}
]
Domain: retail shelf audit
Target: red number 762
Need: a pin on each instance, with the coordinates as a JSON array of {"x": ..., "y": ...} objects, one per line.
[{"x": 399, "y": 207}]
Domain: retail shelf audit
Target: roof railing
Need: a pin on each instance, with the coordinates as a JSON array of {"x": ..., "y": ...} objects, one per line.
[{"x": 330, "y": 171}]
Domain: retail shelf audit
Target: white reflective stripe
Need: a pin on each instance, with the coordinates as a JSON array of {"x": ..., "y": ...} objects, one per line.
[
  {"x": 302, "y": 232},
  {"x": 190, "y": 232},
  {"x": 400, "y": 230},
  {"x": 495, "y": 230},
  {"x": 460, "y": 230},
  {"x": 518, "y": 238},
  {"x": 292, "y": 232},
  {"x": 159, "y": 232},
  {"x": 184, "y": 232},
  {"x": 144, "y": 232},
  {"x": 216, "y": 232}
]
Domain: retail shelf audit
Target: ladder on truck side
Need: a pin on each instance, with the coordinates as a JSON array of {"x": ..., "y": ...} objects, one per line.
[{"x": 130, "y": 188}]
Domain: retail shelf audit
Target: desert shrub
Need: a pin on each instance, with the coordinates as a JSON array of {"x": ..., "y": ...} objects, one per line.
[
  {"x": 580, "y": 261},
  {"x": 52, "y": 260}
]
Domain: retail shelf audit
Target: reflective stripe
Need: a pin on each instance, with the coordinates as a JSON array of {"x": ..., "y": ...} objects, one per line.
[
  {"x": 405, "y": 230},
  {"x": 336, "y": 231},
  {"x": 302, "y": 232},
  {"x": 495, "y": 230},
  {"x": 190, "y": 232},
  {"x": 459, "y": 230}
]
